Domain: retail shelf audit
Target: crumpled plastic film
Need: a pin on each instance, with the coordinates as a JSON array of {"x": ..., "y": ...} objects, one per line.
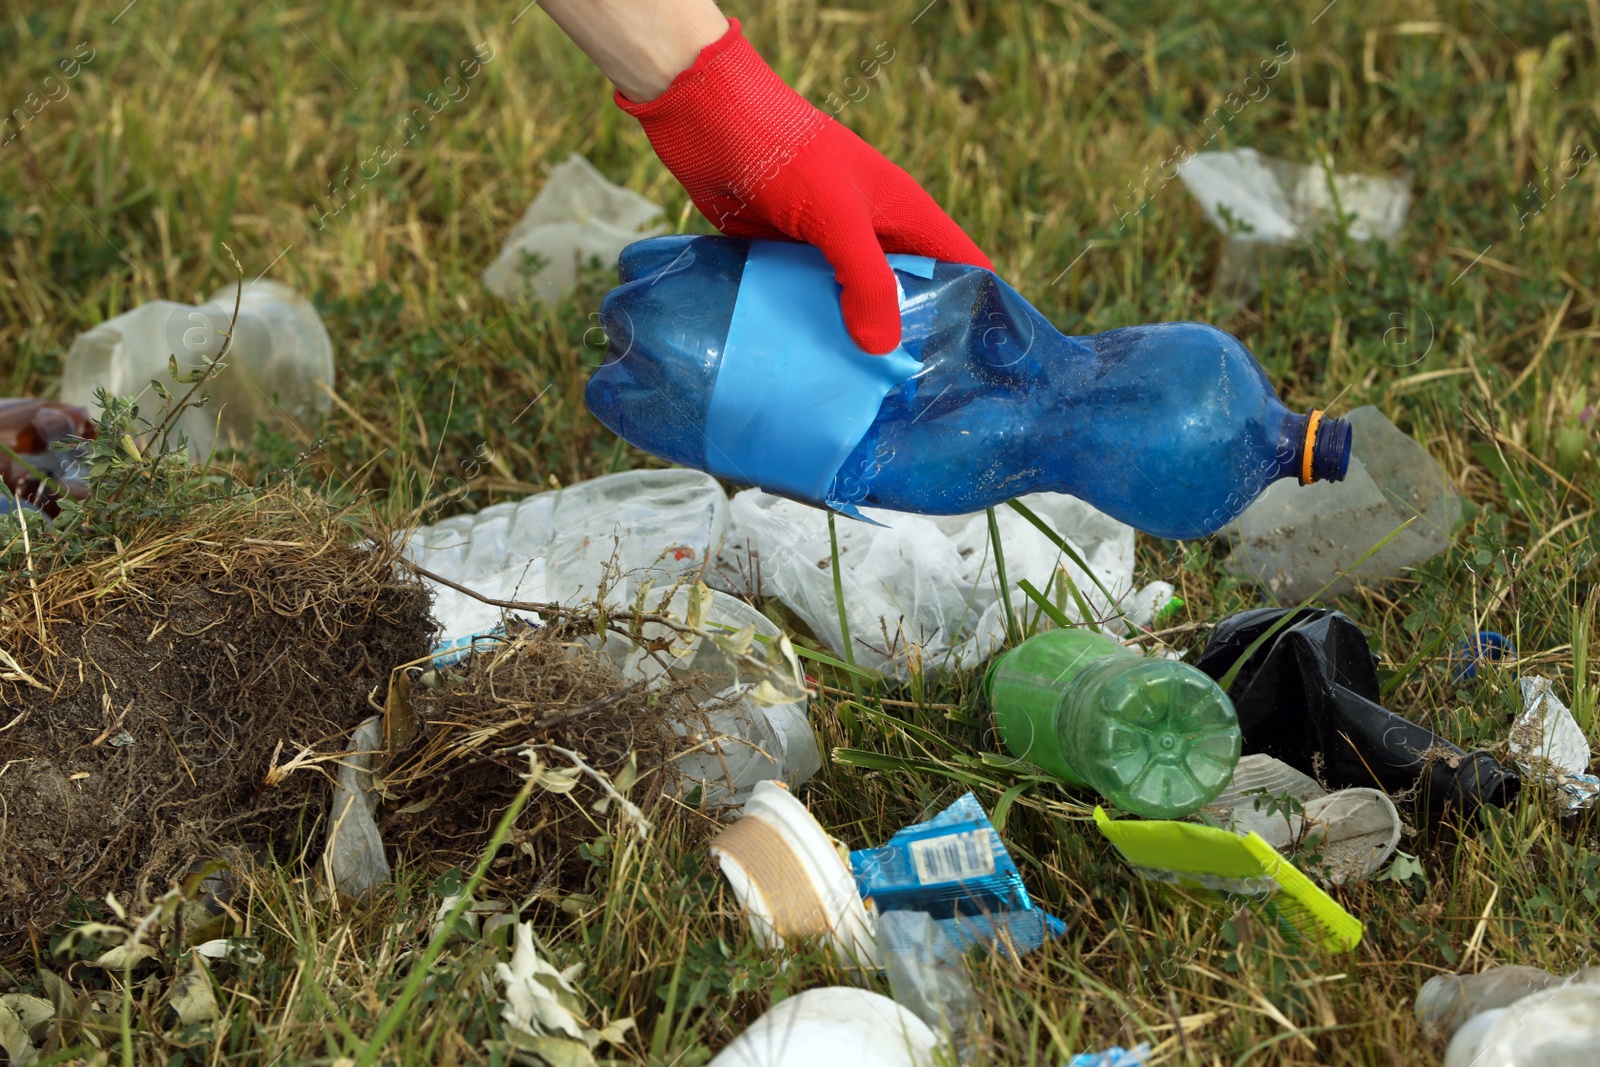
[
  {"x": 1297, "y": 538},
  {"x": 1264, "y": 205},
  {"x": 923, "y": 591},
  {"x": 655, "y": 525},
  {"x": 577, "y": 216},
  {"x": 354, "y": 852},
  {"x": 1550, "y": 746}
]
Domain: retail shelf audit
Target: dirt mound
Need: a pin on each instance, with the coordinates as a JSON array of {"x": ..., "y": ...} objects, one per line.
[{"x": 144, "y": 697}]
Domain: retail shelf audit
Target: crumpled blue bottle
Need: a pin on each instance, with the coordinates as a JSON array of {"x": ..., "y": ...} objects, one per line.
[{"x": 731, "y": 356}]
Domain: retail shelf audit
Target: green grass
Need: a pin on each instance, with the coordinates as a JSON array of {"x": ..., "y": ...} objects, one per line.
[{"x": 201, "y": 121}]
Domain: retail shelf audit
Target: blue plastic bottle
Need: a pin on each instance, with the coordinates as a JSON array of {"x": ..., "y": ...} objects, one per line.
[{"x": 730, "y": 356}]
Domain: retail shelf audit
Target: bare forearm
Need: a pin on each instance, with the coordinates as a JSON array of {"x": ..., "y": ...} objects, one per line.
[{"x": 641, "y": 45}]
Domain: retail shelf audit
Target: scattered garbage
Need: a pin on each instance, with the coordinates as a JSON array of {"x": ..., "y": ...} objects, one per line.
[
  {"x": 1297, "y": 538},
  {"x": 626, "y": 539},
  {"x": 1264, "y": 205},
  {"x": 1212, "y": 860},
  {"x": 1155, "y": 736},
  {"x": 1309, "y": 697},
  {"x": 924, "y": 593},
  {"x": 578, "y": 216},
  {"x": 544, "y": 1013},
  {"x": 928, "y": 975},
  {"x": 955, "y": 868},
  {"x": 354, "y": 850},
  {"x": 1515, "y": 1016},
  {"x": 1549, "y": 745},
  {"x": 731, "y": 356},
  {"x": 792, "y": 879},
  {"x": 836, "y": 1026},
  {"x": 1484, "y": 647},
  {"x": 1115, "y": 1056},
  {"x": 279, "y": 365},
  {"x": 619, "y": 532},
  {"x": 35, "y": 473},
  {"x": 1354, "y": 831}
]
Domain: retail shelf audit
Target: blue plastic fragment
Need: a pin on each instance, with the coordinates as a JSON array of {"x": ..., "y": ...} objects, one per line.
[
  {"x": 1486, "y": 647},
  {"x": 956, "y": 868},
  {"x": 450, "y": 652},
  {"x": 1115, "y": 1056}
]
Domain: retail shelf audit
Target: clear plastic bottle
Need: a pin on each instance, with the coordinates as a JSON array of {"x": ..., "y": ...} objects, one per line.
[
  {"x": 276, "y": 370},
  {"x": 1155, "y": 736}
]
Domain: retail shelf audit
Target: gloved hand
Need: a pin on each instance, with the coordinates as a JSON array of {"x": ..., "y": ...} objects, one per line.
[{"x": 761, "y": 162}]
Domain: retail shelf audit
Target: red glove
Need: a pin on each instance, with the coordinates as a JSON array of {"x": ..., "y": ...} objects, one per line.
[{"x": 759, "y": 161}]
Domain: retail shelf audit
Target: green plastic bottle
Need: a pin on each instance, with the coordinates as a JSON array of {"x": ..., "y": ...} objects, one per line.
[{"x": 1154, "y": 736}]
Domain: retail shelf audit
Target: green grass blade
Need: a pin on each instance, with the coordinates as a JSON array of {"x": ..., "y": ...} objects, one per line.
[
  {"x": 1061, "y": 542},
  {"x": 1005, "y": 587},
  {"x": 1055, "y": 614},
  {"x": 838, "y": 603}
]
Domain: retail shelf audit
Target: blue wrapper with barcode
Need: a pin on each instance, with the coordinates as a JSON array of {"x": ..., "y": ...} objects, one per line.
[{"x": 956, "y": 868}]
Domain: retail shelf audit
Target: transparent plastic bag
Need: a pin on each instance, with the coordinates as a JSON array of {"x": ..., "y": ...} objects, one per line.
[
  {"x": 926, "y": 972},
  {"x": 1295, "y": 537},
  {"x": 1264, "y": 205},
  {"x": 577, "y": 216},
  {"x": 735, "y": 741},
  {"x": 659, "y": 526},
  {"x": 617, "y": 533},
  {"x": 278, "y": 370},
  {"x": 921, "y": 590}
]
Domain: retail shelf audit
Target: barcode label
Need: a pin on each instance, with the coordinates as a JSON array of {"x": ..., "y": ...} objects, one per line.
[{"x": 953, "y": 859}]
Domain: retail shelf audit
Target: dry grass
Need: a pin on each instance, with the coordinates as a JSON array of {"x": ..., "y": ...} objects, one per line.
[{"x": 149, "y": 691}]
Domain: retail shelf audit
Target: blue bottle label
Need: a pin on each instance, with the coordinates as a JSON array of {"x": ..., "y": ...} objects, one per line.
[{"x": 794, "y": 393}]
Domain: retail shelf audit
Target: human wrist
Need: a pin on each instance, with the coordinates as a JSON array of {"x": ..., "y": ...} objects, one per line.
[
  {"x": 661, "y": 62},
  {"x": 640, "y": 46}
]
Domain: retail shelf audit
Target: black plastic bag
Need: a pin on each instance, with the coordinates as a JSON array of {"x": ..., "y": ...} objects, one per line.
[{"x": 1309, "y": 697}]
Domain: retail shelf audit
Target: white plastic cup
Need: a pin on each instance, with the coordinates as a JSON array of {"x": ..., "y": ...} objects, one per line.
[
  {"x": 792, "y": 879},
  {"x": 833, "y": 1027}
]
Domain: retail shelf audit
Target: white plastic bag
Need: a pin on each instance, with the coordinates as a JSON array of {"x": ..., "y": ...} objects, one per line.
[
  {"x": 577, "y": 216},
  {"x": 1265, "y": 204},
  {"x": 833, "y": 1027},
  {"x": 918, "y": 589},
  {"x": 660, "y": 525},
  {"x": 621, "y": 531}
]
